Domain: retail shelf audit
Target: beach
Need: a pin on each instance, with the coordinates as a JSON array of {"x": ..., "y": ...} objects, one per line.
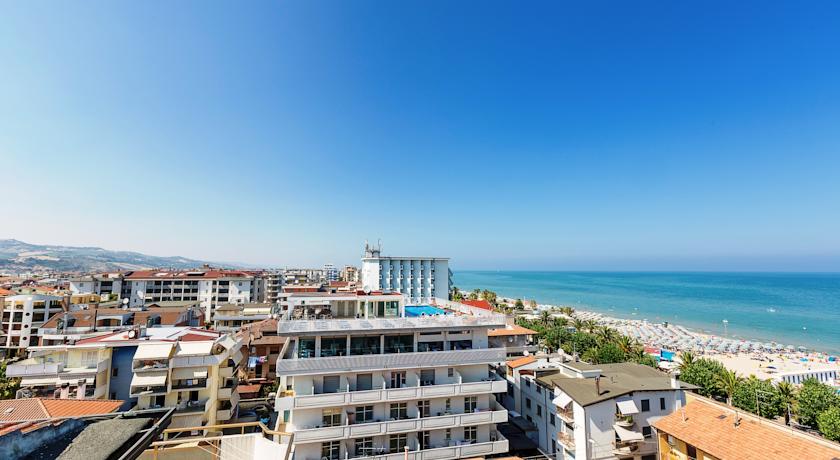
[{"x": 765, "y": 360}]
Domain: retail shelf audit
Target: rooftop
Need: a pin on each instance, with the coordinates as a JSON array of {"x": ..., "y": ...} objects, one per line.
[
  {"x": 185, "y": 274},
  {"x": 324, "y": 326},
  {"x": 519, "y": 362},
  {"x": 511, "y": 330},
  {"x": 19, "y": 410},
  {"x": 616, "y": 380},
  {"x": 483, "y": 304},
  {"x": 711, "y": 427}
]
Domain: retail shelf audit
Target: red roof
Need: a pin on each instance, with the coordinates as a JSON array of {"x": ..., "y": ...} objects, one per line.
[
  {"x": 483, "y": 304},
  {"x": 16, "y": 410}
]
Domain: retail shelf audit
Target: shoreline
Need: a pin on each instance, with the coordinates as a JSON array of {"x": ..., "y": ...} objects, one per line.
[{"x": 765, "y": 360}]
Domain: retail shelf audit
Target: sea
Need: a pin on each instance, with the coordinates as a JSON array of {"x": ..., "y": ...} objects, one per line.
[{"x": 800, "y": 309}]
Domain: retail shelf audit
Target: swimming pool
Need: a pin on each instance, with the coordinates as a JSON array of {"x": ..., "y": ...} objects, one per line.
[{"x": 420, "y": 310}]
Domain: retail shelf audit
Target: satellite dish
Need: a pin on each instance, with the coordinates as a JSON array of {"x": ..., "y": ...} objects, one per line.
[
  {"x": 140, "y": 294},
  {"x": 125, "y": 301},
  {"x": 367, "y": 290},
  {"x": 132, "y": 333}
]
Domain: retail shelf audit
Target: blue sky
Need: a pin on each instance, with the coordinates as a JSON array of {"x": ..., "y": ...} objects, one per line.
[{"x": 546, "y": 135}]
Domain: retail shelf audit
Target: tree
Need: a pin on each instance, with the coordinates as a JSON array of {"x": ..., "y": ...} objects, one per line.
[
  {"x": 489, "y": 296},
  {"x": 533, "y": 304},
  {"x": 568, "y": 311},
  {"x": 646, "y": 360},
  {"x": 828, "y": 422},
  {"x": 545, "y": 317},
  {"x": 752, "y": 392},
  {"x": 787, "y": 394},
  {"x": 727, "y": 382},
  {"x": 609, "y": 353},
  {"x": 8, "y": 386},
  {"x": 590, "y": 325},
  {"x": 607, "y": 334},
  {"x": 814, "y": 398},
  {"x": 457, "y": 296},
  {"x": 578, "y": 324},
  {"x": 560, "y": 322},
  {"x": 518, "y": 304},
  {"x": 703, "y": 373},
  {"x": 475, "y": 293},
  {"x": 686, "y": 360}
]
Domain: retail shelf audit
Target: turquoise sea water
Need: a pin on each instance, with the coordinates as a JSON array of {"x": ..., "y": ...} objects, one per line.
[{"x": 792, "y": 308}]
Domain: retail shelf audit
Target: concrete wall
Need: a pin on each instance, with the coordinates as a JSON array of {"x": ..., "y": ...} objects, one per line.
[
  {"x": 120, "y": 385},
  {"x": 18, "y": 445}
]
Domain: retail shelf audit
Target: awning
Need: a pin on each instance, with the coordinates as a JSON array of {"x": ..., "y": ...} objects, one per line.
[
  {"x": 149, "y": 379},
  {"x": 627, "y": 407},
  {"x": 202, "y": 348},
  {"x": 237, "y": 357},
  {"x": 189, "y": 373},
  {"x": 562, "y": 401},
  {"x": 35, "y": 381},
  {"x": 628, "y": 435},
  {"x": 153, "y": 351}
]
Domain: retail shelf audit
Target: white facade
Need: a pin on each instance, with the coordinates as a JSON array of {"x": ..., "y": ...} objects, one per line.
[
  {"x": 330, "y": 273},
  {"x": 210, "y": 290},
  {"x": 420, "y": 279},
  {"x": 23, "y": 315},
  {"x": 103, "y": 285},
  {"x": 370, "y": 387}
]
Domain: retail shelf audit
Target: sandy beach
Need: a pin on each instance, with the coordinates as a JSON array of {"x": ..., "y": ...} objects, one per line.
[{"x": 765, "y": 360}]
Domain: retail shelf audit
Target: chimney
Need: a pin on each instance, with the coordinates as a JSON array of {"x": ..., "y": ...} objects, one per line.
[
  {"x": 598, "y": 386},
  {"x": 675, "y": 384}
]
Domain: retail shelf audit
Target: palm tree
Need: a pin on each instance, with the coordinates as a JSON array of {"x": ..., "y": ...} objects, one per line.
[
  {"x": 686, "y": 360},
  {"x": 607, "y": 334},
  {"x": 626, "y": 344},
  {"x": 545, "y": 317},
  {"x": 787, "y": 392},
  {"x": 561, "y": 322},
  {"x": 590, "y": 325},
  {"x": 568, "y": 311},
  {"x": 727, "y": 381},
  {"x": 578, "y": 324}
]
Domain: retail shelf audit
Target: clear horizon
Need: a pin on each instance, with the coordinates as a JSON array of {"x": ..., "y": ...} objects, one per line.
[{"x": 655, "y": 137}]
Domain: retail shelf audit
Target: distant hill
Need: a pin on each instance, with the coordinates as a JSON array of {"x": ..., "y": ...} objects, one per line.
[{"x": 17, "y": 256}]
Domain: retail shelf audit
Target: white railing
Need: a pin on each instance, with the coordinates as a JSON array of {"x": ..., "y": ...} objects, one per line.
[
  {"x": 298, "y": 327},
  {"x": 320, "y": 434},
  {"x": 196, "y": 361},
  {"x": 303, "y": 366},
  {"x": 455, "y": 450},
  {"x": 23, "y": 370},
  {"x": 348, "y": 398}
]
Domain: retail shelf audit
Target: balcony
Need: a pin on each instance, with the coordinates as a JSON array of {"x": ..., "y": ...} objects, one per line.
[
  {"x": 152, "y": 390},
  {"x": 150, "y": 365},
  {"x": 304, "y": 327},
  {"x": 192, "y": 407},
  {"x": 189, "y": 385},
  {"x": 348, "y": 398},
  {"x": 566, "y": 440},
  {"x": 566, "y": 414},
  {"x": 196, "y": 361},
  {"x": 498, "y": 444},
  {"x": 25, "y": 370},
  {"x": 416, "y": 360},
  {"x": 228, "y": 390},
  {"x": 382, "y": 427}
]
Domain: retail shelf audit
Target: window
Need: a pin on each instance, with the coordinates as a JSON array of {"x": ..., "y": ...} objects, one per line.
[
  {"x": 424, "y": 407},
  {"x": 690, "y": 451},
  {"x": 397, "y": 379},
  {"x": 396, "y": 443},
  {"x": 364, "y": 447},
  {"x": 115, "y": 371},
  {"x": 539, "y": 389},
  {"x": 646, "y": 432},
  {"x": 332, "y": 417},
  {"x": 448, "y": 405},
  {"x": 330, "y": 450},
  {"x": 539, "y": 411},
  {"x": 551, "y": 419},
  {"x": 364, "y": 414},
  {"x": 364, "y": 382},
  {"x": 527, "y": 383},
  {"x": 529, "y": 418},
  {"x": 470, "y": 403},
  {"x": 470, "y": 434},
  {"x": 447, "y": 436},
  {"x": 528, "y": 403},
  {"x": 450, "y": 372},
  {"x": 424, "y": 439},
  {"x": 662, "y": 403},
  {"x": 646, "y": 405},
  {"x": 399, "y": 411}
]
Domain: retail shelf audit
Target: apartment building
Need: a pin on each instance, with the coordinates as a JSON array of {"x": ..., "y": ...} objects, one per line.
[
  {"x": 707, "y": 430},
  {"x": 330, "y": 273},
  {"x": 350, "y": 274},
  {"x": 191, "y": 369},
  {"x": 263, "y": 346},
  {"x": 421, "y": 279},
  {"x": 210, "y": 287},
  {"x": 22, "y": 318},
  {"x": 303, "y": 276},
  {"x": 515, "y": 339},
  {"x": 104, "y": 284},
  {"x": 604, "y": 411},
  {"x": 363, "y": 375},
  {"x": 273, "y": 285}
]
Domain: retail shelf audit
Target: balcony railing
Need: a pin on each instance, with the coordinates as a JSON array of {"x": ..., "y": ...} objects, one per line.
[
  {"x": 347, "y": 398},
  {"x": 498, "y": 444},
  {"x": 148, "y": 390},
  {"x": 197, "y": 384},
  {"x": 346, "y": 431},
  {"x": 415, "y": 360},
  {"x": 192, "y": 407},
  {"x": 567, "y": 414},
  {"x": 150, "y": 365},
  {"x": 299, "y": 327},
  {"x": 567, "y": 440}
]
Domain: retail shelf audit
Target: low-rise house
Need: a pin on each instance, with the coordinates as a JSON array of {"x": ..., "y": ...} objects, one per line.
[
  {"x": 606, "y": 411},
  {"x": 517, "y": 340},
  {"x": 264, "y": 347},
  {"x": 707, "y": 430},
  {"x": 232, "y": 317}
]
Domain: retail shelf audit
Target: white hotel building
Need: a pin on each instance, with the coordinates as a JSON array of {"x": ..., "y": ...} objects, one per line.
[
  {"x": 368, "y": 380},
  {"x": 421, "y": 279}
]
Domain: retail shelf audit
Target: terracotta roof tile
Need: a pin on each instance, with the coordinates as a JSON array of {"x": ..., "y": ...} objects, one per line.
[
  {"x": 511, "y": 330},
  {"x": 483, "y": 304},
  {"x": 16, "y": 410},
  {"x": 519, "y": 362},
  {"x": 711, "y": 427}
]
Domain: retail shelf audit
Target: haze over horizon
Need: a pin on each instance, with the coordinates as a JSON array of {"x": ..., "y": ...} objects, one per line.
[{"x": 654, "y": 136}]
